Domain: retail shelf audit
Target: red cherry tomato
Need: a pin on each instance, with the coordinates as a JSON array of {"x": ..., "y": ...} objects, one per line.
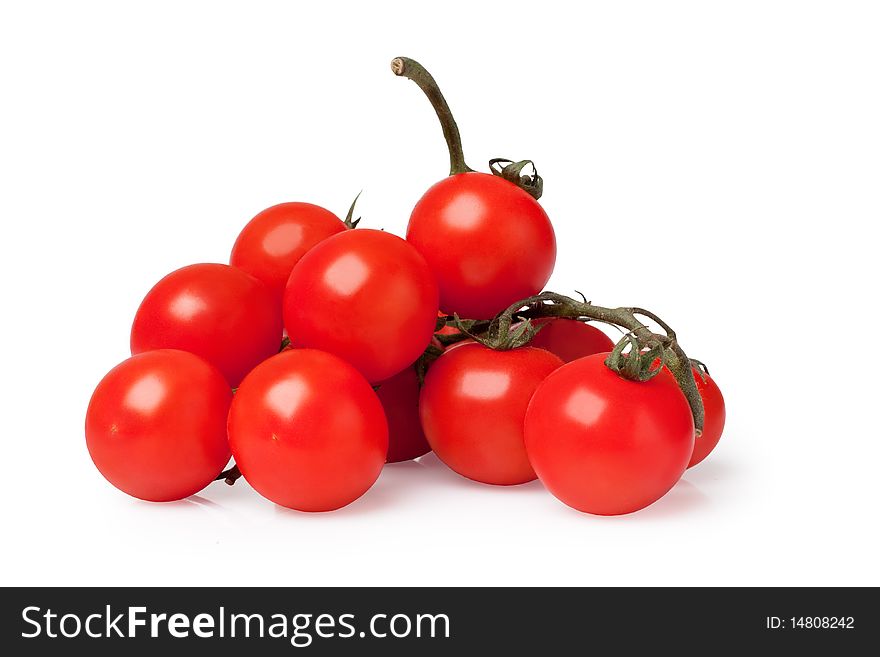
[
  {"x": 218, "y": 312},
  {"x": 156, "y": 425},
  {"x": 307, "y": 431},
  {"x": 713, "y": 423},
  {"x": 488, "y": 242},
  {"x": 275, "y": 240},
  {"x": 606, "y": 445},
  {"x": 570, "y": 339},
  {"x": 472, "y": 408},
  {"x": 400, "y": 399},
  {"x": 339, "y": 290},
  {"x": 714, "y": 414}
]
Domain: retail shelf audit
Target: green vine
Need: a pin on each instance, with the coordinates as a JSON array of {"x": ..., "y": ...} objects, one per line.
[
  {"x": 639, "y": 355},
  {"x": 511, "y": 171}
]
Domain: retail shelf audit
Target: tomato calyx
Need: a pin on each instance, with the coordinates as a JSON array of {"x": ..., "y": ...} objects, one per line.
[
  {"x": 489, "y": 333},
  {"x": 513, "y": 172},
  {"x": 349, "y": 222},
  {"x": 635, "y": 360},
  {"x": 701, "y": 369},
  {"x": 509, "y": 170}
]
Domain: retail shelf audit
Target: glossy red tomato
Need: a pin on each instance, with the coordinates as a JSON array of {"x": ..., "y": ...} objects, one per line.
[
  {"x": 488, "y": 242},
  {"x": 366, "y": 296},
  {"x": 218, "y": 312},
  {"x": 274, "y": 241},
  {"x": 156, "y": 425},
  {"x": 606, "y": 445},
  {"x": 713, "y": 423},
  {"x": 714, "y": 415},
  {"x": 570, "y": 339},
  {"x": 472, "y": 408},
  {"x": 307, "y": 431},
  {"x": 400, "y": 399}
]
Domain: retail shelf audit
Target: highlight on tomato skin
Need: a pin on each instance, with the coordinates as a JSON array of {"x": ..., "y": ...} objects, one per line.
[
  {"x": 277, "y": 238},
  {"x": 472, "y": 408},
  {"x": 488, "y": 242},
  {"x": 603, "y": 444},
  {"x": 156, "y": 425},
  {"x": 307, "y": 431},
  {"x": 214, "y": 311}
]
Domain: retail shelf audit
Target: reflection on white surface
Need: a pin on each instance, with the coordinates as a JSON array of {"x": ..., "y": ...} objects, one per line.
[
  {"x": 187, "y": 305},
  {"x": 347, "y": 275},
  {"x": 286, "y": 396},
  {"x": 146, "y": 395},
  {"x": 282, "y": 239},
  {"x": 485, "y": 384},
  {"x": 585, "y": 407}
]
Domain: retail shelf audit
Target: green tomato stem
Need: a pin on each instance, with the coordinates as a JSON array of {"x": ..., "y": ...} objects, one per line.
[
  {"x": 410, "y": 68},
  {"x": 638, "y": 364}
]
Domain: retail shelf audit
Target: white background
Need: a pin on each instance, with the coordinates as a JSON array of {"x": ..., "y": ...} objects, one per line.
[{"x": 715, "y": 162}]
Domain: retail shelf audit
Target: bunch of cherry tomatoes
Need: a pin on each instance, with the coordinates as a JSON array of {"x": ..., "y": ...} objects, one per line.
[{"x": 323, "y": 351}]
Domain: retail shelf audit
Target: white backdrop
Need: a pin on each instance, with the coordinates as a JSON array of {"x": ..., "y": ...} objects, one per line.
[{"x": 737, "y": 141}]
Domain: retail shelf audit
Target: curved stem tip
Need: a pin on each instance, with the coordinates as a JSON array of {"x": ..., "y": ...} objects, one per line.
[{"x": 410, "y": 68}]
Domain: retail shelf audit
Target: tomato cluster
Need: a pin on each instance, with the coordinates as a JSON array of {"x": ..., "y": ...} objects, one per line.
[{"x": 322, "y": 352}]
